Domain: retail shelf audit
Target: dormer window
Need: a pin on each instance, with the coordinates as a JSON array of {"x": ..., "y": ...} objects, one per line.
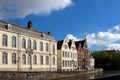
[{"x": 9, "y": 27}]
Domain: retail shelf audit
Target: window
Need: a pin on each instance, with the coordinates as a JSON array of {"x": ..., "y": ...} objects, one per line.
[
  {"x": 13, "y": 41},
  {"x": 41, "y": 46},
  {"x": 34, "y": 45},
  {"x": 4, "y": 58},
  {"x": 47, "y": 47},
  {"x": 47, "y": 60},
  {"x": 13, "y": 58},
  {"x": 53, "y": 49},
  {"x": 29, "y": 59},
  {"x": 41, "y": 60},
  {"x": 23, "y": 43},
  {"x": 53, "y": 60},
  {"x": 4, "y": 40},
  {"x": 29, "y": 44},
  {"x": 63, "y": 63},
  {"x": 24, "y": 59},
  {"x": 35, "y": 60},
  {"x": 65, "y": 46}
]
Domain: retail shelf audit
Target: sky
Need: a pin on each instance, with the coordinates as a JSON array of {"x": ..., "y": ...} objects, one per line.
[{"x": 96, "y": 20}]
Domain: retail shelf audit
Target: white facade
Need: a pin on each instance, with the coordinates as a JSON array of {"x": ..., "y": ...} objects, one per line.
[
  {"x": 22, "y": 49},
  {"x": 92, "y": 62},
  {"x": 67, "y": 56}
]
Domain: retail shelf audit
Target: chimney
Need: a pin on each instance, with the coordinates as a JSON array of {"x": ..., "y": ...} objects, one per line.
[
  {"x": 30, "y": 25},
  {"x": 48, "y": 33}
]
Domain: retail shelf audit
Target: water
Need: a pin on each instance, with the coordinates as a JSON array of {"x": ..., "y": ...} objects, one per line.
[
  {"x": 109, "y": 73},
  {"x": 93, "y": 76}
]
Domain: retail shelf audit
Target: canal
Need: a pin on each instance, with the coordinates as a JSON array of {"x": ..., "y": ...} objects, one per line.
[{"x": 96, "y": 76}]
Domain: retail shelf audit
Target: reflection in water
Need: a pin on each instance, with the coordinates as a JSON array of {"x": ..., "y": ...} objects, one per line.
[
  {"x": 80, "y": 77},
  {"x": 92, "y": 76}
]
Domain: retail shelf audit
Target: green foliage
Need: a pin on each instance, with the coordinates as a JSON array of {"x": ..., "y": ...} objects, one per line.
[{"x": 107, "y": 59}]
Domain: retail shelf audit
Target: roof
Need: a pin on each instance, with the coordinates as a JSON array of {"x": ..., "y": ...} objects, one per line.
[
  {"x": 59, "y": 44},
  {"x": 77, "y": 43},
  {"x": 25, "y": 31}
]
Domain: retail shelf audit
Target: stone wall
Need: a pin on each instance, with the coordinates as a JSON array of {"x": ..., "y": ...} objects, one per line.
[{"x": 42, "y": 75}]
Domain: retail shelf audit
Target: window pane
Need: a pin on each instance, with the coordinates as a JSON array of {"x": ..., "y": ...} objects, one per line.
[
  {"x": 53, "y": 60},
  {"x": 47, "y": 60},
  {"x": 4, "y": 40},
  {"x": 23, "y": 43},
  {"x": 34, "y": 45},
  {"x": 41, "y": 60},
  {"x": 53, "y": 49},
  {"x": 28, "y": 59},
  {"x": 29, "y": 44},
  {"x": 4, "y": 58},
  {"x": 47, "y": 47},
  {"x": 41, "y": 46},
  {"x": 24, "y": 59},
  {"x": 13, "y": 41},
  {"x": 35, "y": 59},
  {"x": 13, "y": 58}
]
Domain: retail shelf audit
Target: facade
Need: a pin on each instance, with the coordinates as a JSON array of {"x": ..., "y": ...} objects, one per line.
[
  {"x": 24, "y": 49},
  {"x": 83, "y": 54},
  {"x": 66, "y": 55},
  {"x": 92, "y": 62}
]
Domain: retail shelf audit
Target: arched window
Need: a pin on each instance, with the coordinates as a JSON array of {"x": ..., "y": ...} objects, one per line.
[
  {"x": 47, "y": 47},
  {"x": 53, "y": 60},
  {"x": 5, "y": 58},
  {"x": 41, "y": 46},
  {"x": 4, "y": 40},
  {"x": 47, "y": 60},
  {"x": 13, "y": 58},
  {"x": 53, "y": 49},
  {"x": 24, "y": 59},
  {"x": 41, "y": 60},
  {"x": 35, "y": 60},
  {"x": 29, "y": 44},
  {"x": 35, "y": 45},
  {"x": 14, "y": 41},
  {"x": 23, "y": 43},
  {"x": 29, "y": 59}
]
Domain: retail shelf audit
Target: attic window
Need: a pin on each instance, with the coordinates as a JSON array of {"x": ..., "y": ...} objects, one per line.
[
  {"x": 8, "y": 27},
  {"x": 65, "y": 46},
  {"x": 73, "y": 48}
]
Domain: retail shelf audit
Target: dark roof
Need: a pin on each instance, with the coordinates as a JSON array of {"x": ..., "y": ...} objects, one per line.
[
  {"x": 83, "y": 42},
  {"x": 77, "y": 43},
  {"x": 59, "y": 44}
]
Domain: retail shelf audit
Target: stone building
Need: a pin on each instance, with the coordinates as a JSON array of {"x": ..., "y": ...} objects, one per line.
[
  {"x": 24, "y": 49},
  {"x": 83, "y": 54},
  {"x": 66, "y": 55}
]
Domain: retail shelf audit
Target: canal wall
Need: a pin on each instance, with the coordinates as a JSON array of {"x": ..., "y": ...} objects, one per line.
[{"x": 43, "y": 75}]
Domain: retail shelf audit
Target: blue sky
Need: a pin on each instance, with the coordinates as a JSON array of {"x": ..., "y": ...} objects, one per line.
[{"x": 96, "y": 20}]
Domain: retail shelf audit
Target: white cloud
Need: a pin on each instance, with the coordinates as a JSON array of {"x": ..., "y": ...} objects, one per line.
[
  {"x": 72, "y": 37},
  {"x": 115, "y": 29},
  {"x": 20, "y": 9},
  {"x": 108, "y": 40},
  {"x": 113, "y": 46}
]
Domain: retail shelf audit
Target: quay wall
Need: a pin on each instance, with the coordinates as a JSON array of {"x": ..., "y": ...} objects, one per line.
[{"x": 12, "y": 75}]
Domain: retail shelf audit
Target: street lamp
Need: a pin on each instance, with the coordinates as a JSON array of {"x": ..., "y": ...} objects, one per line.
[{"x": 30, "y": 52}]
